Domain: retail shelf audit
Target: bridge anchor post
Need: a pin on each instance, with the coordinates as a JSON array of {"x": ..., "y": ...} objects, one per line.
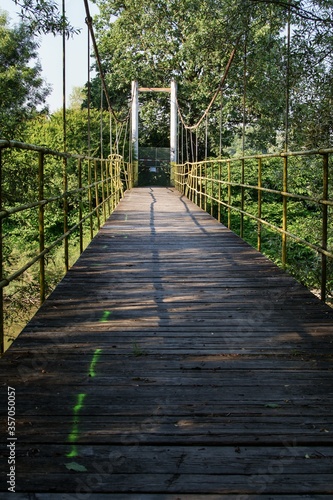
[
  {"x": 173, "y": 131},
  {"x": 135, "y": 131}
]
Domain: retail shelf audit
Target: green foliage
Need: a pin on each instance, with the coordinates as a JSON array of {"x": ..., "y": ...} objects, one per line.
[
  {"x": 44, "y": 16},
  {"x": 48, "y": 131},
  {"x": 22, "y": 89},
  {"x": 155, "y": 41}
]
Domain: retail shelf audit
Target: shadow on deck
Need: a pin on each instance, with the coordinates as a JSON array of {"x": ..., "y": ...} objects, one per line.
[{"x": 172, "y": 362}]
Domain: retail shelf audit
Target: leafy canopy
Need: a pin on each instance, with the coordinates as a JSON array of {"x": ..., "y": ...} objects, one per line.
[
  {"x": 44, "y": 16},
  {"x": 22, "y": 89},
  {"x": 157, "y": 40}
]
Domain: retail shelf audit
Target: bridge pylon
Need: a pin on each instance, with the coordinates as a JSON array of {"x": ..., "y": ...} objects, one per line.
[{"x": 172, "y": 90}]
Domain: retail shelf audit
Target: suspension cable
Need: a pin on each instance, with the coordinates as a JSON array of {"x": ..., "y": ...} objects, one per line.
[
  {"x": 244, "y": 94},
  {"x": 89, "y": 97},
  {"x": 206, "y": 138},
  {"x": 64, "y": 118},
  {"x": 93, "y": 38},
  {"x": 125, "y": 138},
  {"x": 221, "y": 118},
  {"x": 111, "y": 144},
  {"x": 220, "y": 87},
  {"x": 286, "y": 141},
  {"x": 101, "y": 122},
  {"x": 191, "y": 141},
  {"x": 186, "y": 145}
]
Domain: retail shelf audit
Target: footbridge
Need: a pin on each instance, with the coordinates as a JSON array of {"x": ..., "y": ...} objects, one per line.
[
  {"x": 165, "y": 319},
  {"x": 172, "y": 361}
]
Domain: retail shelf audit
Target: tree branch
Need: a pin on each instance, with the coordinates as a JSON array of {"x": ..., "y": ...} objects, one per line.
[
  {"x": 304, "y": 14},
  {"x": 44, "y": 17}
]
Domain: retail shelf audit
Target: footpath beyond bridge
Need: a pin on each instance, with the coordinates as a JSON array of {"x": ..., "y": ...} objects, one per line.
[{"x": 172, "y": 362}]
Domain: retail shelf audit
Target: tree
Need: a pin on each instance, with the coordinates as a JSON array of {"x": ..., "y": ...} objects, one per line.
[
  {"x": 312, "y": 76},
  {"x": 76, "y": 98},
  {"x": 191, "y": 41},
  {"x": 43, "y": 16},
  {"x": 22, "y": 89},
  {"x": 154, "y": 41}
]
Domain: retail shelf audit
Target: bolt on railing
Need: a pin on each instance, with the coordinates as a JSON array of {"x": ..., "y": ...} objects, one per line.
[{"x": 90, "y": 189}]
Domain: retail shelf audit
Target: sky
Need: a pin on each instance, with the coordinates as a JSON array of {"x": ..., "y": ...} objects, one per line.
[{"x": 50, "y": 51}]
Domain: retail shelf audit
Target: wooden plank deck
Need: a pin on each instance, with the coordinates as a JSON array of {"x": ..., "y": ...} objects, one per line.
[{"x": 172, "y": 362}]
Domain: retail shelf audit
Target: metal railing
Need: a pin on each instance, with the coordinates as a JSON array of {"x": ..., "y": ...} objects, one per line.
[
  {"x": 274, "y": 191},
  {"x": 84, "y": 194}
]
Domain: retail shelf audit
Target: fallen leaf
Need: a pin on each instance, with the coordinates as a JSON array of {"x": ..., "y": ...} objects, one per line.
[
  {"x": 272, "y": 405},
  {"x": 77, "y": 467}
]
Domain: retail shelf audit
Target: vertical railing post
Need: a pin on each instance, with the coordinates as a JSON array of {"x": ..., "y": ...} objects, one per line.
[
  {"x": 211, "y": 188},
  {"x": 41, "y": 227},
  {"x": 119, "y": 184},
  {"x": 186, "y": 187},
  {"x": 259, "y": 201},
  {"x": 107, "y": 176},
  {"x": 241, "y": 229},
  {"x": 193, "y": 173},
  {"x": 103, "y": 189},
  {"x": 183, "y": 178},
  {"x": 116, "y": 186},
  {"x": 116, "y": 180},
  {"x": 2, "y": 336},
  {"x": 229, "y": 194},
  {"x": 65, "y": 185},
  {"x": 186, "y": 178},
  {"x": 195, "y": 183},
  {"x": 111, "y": 190},
  {"x": 180, "y": 177},
  {"x": 219, "y": 191},
  {"x": 90, "y": 200},
  {"x": 206, "y": 186},
  {"x": 191, "y": 183},
  {"x": 201, "y": 185},
  {"x": 324, "y": 228},
  {"x": 285, "y": 211},
  {"x": 116, "y": 183},
  {"x": 96, "y": 195},
  {"x": 79, "y": 168}
]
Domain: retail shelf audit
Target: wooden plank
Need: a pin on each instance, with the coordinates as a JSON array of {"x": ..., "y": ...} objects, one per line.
[
  {"x": 188, "y": 483},
  {"x": 160, "y": 496},
  {"x": 180, "y": 351},
  {"x": 182, "y": 459}
]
